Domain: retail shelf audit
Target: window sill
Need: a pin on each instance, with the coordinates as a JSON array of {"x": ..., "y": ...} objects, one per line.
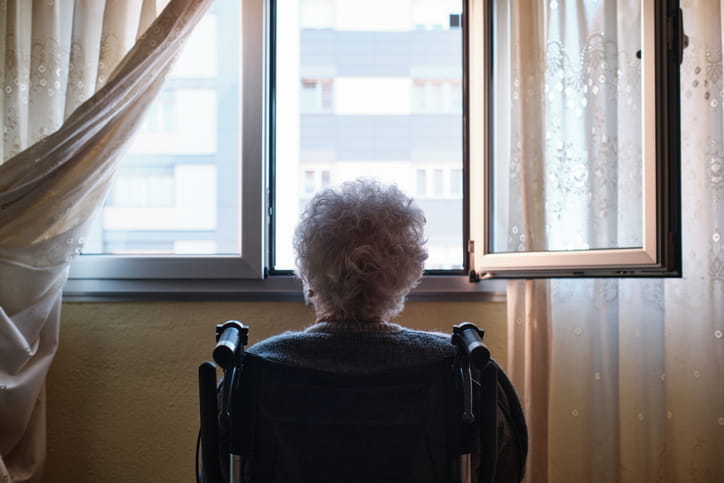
[{"x": 283, "y": 288}]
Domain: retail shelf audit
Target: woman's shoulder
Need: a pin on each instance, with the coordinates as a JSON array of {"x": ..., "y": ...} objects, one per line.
[
  {"x": 432, "y": 340},
  {"x": 280, "y": 343}
]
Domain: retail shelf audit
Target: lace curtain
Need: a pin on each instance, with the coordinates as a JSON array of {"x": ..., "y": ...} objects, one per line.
[
  {"x": 622, "y": 380},
  {"x": 76, "y": 78}
]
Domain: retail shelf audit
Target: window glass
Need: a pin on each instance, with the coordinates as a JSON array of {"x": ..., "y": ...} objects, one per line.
[
  {"x": 421, "y": 182},
  {"x": 370, "y": 89},
  {"x": 437, "y": 96},
  {"x": 437, "y": 182},
  {"x": 326, "y": 178},
  {"x": 316, "y": 96},
  {"x": 177, "y": 189},
  {"x": 456, "y": 182},
  {"x": 308, "y": 181},
  {"x": 567, "y": 129}
]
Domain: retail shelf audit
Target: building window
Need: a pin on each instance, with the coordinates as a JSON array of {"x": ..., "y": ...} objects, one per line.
[
  {"x": 442, "y": 96},
  {"x": 439, "y": 181},
  {"x": 421, "y": 176},
  {"x": 162, "y": 115},
  {"x": 314, "y": 180},
  {"x": 456, "y": 182},
  {"x": 145, "y": 189},
  {"x": 316, "y": 96}
]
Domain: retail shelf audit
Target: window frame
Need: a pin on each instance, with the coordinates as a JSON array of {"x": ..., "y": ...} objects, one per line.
[
  {"x": 248, "y": 276},
  {"x": 660, "y": 255},
  {"x": 252, "y": 200}
]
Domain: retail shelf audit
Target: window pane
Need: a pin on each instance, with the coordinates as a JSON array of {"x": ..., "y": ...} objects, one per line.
[
  {"x": 370, "y": 89},
  {"x": 579, "y": 157},
  {"x": 567, "y": 128},
  {"x": 421, "y": 182},
  {"x": 177, "y": 188},
  {"x": 456, "y": 182},
  {"x": 437, "y": 182}
]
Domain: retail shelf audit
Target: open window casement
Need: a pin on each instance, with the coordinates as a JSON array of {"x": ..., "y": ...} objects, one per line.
[{"x": 574, "y": 138}]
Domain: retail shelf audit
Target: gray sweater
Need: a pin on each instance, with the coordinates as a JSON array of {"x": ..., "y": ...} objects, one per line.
[
  {"x": 348, "y": 348},
  {"x": 355, "y": 348}
]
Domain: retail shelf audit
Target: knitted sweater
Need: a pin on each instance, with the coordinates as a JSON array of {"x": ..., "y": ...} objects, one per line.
[
  {"x": 348, "y": 348},
  {"x": 355, "y": 348}
]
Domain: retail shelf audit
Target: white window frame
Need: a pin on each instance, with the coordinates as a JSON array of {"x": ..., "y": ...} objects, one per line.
[{"x": 660, "y": 254}]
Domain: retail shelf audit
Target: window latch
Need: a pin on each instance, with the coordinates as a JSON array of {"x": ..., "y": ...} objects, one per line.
[{"x": 472, "y": 274}]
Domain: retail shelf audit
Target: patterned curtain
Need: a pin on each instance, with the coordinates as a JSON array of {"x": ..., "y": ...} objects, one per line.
[
  {"x": 72, "y": 95},
  {"x": 623, "y": 380}
]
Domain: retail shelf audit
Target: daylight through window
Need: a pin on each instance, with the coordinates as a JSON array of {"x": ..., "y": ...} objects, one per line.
[{"x": 371, "y": 89}]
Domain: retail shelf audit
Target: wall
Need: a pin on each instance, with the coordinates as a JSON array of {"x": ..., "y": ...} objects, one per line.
[{"x": 122, "y": 392}]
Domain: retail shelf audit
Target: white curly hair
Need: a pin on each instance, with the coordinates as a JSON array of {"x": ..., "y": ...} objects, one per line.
[{"x": 360, "y": 249}]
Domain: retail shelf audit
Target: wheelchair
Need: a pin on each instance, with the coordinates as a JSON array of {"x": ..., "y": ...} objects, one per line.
[{"x": 268, "y": 422}]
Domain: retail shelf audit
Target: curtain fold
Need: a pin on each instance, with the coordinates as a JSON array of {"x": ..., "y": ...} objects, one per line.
[
  {"x": 73, "y": 98},
  {"x": 634, "y": 388},
  {"x": 529, "y": 332}
]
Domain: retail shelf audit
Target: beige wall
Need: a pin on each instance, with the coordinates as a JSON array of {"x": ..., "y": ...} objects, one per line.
[{"x": 122, "y": 392}]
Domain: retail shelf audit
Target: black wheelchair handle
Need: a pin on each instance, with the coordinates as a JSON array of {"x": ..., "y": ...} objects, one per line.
[
  {"x": 469, "y": 338},
  {"x": 230, "y": 337}
]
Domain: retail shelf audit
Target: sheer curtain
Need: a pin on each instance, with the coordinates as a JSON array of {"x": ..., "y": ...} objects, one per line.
[
  {"x": 77, "y": 76},
  {"x": 519, "y": 76},
  {"x": 622, "y": 380}
]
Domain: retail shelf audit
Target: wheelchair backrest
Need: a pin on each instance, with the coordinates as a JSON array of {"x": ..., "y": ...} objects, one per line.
[{"x": 301, "y": 425}]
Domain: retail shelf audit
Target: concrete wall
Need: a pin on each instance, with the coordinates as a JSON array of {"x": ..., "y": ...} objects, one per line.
[{"x": 122, "y": 393}]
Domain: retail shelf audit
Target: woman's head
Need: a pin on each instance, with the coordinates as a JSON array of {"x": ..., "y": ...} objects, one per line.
[{"x": 360, "y": 249}]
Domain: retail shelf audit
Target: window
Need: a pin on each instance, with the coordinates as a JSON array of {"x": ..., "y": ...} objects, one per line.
[
  {"x": 456, "y": 182},
  {"x": 178, "y": 203},
  {"x": 377, "y": 97},
  {"x": 315, "y": 180},
  {"x": 437, "y": 96},
  {"x": 438, "y": 181},
  {"x": 331, "y": 90},
  {"x": 578, "y": 137},
  {"x": 175, "y": 192},
  {"x": 316, "y": 96},
  {"x": 152, "y": 189},
  {"x": 421, "y": 182},
  {"x": 162, "y": 115}
]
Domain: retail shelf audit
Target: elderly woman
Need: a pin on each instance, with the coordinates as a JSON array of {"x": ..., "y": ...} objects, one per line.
[{"x": 360, "y": 249}]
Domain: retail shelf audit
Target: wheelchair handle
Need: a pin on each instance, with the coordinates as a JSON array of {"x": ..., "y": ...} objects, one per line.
[
  {"x": 231, "y": 336},
  {"x": 469, "y": 338},
  {"x": 472, "y": 354}
]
